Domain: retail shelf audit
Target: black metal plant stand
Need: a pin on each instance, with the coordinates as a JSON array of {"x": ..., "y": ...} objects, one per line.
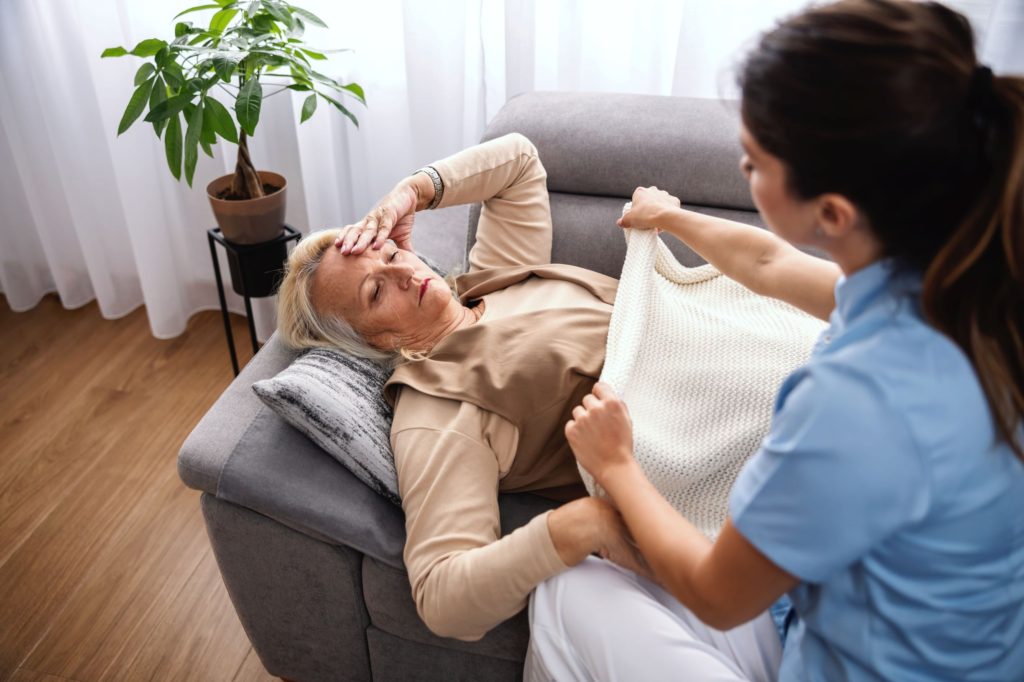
[{"x": 256, "y": 270}]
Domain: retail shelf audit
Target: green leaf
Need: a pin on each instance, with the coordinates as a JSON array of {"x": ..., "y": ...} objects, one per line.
[
  {"x": 148, "y": 47},
  {"x": 172, "y": 146},
  {"x": 208, "y": 135},
  {"x": 221, "y": 19},
  {"x": 299, "y": 87},
  {"x": 326, "y": 80},
  {"x": 207, "y": 148},
  {"x": 169, "y": 107},
  {"x": 247, "y": 106},
  {"x": 195, "y": 129},
  {"x": 220, "y": 119},
  {"x": 114, "y": 52},
  {"x": 356, "y": 90},
  {"x": 308, "y": 107},
  {"x": 253, "y": 8},
  {"x": 182, "y": 28},
  {"x": 224, "y": 67},
  {"x": 135, "y": 106},
  {"x": 264, "y": 24},
  {"x": 162, "y": 57},
  {"x": 144, "y": 73},
  {"x": 308, "y": 16},
  {"x": 341, "y": 108},
  {"x": 197, "y": 8},
  {"x": 158, "y": 95},
  {"x": 194, "y": 85},
  {"x": 279, "y": 13},
  {"x": 174, "y": 77},
  {"x": 224, "y": 3},
  {"x": 312, "y": 53}
]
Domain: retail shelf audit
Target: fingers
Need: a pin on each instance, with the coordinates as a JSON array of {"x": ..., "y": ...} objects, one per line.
[
  {"x": 349, "y": 237},
  {"x": 604, "y": 391},
  {"x": 366, "y": 236},
  {"x": 373, "y": 230}
]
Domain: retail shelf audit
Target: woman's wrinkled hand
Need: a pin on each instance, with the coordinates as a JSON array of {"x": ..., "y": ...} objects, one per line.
[
  {"x": 392, "y": 218},
  {"x": 615, "y": 543},
  {"x": 648, "y": 206},
  {"x": 600, "y": 432},
  {"x": 590, "y": 526}
]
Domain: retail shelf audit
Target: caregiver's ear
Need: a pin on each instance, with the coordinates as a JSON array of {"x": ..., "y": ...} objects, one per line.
[{"x": 836, "y": 215}]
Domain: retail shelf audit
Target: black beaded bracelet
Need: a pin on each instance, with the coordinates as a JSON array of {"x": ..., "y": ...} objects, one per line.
[{"x": 435, "y": 177}]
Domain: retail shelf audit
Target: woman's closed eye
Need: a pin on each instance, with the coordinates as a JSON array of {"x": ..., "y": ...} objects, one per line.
[{"x": 376, "y": 288}]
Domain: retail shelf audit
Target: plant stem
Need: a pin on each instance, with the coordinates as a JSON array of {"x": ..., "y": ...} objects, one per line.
[{"x": 246, "y": 182}]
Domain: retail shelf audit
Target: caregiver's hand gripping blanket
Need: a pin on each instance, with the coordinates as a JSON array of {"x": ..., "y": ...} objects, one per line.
[{"x": 698, "y": 359}]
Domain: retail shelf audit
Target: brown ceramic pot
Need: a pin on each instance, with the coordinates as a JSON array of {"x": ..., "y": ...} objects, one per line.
[{"x": 249, "y": 221}]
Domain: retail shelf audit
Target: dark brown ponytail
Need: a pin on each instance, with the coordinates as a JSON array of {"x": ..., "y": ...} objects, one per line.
[{"x": 883, "y": 101}]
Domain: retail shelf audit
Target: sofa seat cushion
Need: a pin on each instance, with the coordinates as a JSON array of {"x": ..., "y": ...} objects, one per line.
[{"x": 388, "y": 596}]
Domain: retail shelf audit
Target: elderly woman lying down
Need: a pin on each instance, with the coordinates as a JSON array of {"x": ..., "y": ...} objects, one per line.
[{"x": 484, "y": 383}]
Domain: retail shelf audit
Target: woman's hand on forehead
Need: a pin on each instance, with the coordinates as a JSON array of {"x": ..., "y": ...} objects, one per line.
[
  {"x": 353, "y": 234},
  {"x": 392, "y": 217}
]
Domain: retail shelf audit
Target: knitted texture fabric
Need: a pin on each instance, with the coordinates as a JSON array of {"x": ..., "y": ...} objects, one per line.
[{"x": 698, "y": 359}]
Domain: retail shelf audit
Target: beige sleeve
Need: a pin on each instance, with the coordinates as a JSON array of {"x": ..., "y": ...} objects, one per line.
[
  {"x": 465, "y": 577},
  {"x": 515, "y": 221}
]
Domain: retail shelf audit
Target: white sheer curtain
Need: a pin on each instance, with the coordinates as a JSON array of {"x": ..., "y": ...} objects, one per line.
[{"x": 93, "y": 216}]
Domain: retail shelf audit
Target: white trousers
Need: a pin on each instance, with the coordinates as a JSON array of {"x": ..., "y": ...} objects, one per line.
[{"x": 599, "y": 622}]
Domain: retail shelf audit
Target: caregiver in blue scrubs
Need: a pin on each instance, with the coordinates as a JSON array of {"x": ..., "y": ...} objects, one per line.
[{"x": 887, "y": 501}]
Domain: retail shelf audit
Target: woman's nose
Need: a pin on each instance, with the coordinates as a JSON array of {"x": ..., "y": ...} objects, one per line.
[{"x": 403, "y": 274}]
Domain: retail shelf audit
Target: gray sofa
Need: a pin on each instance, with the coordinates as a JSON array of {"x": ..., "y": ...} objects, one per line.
[{"x": 311, "y": 558}]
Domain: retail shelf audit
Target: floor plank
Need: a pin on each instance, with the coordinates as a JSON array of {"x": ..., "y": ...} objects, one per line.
[
  {"x": 100, "y": 543},
  {"x": 198, "y": 638},
  {"x": 26, "y": 675},
  {"x": 252, "y": 670}
]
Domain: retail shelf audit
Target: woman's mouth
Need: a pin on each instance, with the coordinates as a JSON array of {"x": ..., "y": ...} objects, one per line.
[{"x": 423, "y": 289}]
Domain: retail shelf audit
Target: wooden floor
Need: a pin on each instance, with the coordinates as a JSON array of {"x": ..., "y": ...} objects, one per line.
[{"x": 106, "y": 572}]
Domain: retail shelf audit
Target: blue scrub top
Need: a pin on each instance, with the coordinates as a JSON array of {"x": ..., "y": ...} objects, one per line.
[{"x": 882, "y": 488}]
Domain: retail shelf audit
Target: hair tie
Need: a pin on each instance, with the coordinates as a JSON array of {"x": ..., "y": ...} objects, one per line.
[{"x": 980, "y": 95}]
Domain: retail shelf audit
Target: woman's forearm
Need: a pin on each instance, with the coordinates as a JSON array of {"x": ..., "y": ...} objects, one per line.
[{"x": 423, "y": 186}]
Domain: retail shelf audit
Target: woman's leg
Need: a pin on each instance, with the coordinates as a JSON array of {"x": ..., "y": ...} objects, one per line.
[{"x": 599, "y": 622}]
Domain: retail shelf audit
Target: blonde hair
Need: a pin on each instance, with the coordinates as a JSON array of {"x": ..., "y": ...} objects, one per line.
[{"x": 299, "y": 323}]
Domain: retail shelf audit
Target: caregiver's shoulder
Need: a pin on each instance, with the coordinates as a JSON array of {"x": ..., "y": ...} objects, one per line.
[{"x": 924, "y": 378}]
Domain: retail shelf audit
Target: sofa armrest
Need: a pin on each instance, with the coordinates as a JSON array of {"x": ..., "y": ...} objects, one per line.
[{"x": 205, "y": 452}]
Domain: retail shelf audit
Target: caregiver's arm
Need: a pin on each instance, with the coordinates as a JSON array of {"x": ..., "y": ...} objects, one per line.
[
  {"x": 756, "y": 258},
  {"x": 725, "y": 583}
]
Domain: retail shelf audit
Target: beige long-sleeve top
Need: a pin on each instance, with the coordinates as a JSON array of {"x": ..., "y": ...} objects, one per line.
[{"x": 452, "y": 456}]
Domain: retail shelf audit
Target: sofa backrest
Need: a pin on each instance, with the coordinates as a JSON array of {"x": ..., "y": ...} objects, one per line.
[{"x": 597, "y": 148}]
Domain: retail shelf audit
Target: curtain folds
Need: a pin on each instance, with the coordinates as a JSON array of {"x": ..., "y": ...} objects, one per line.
[{"x": 92, "y": 216}]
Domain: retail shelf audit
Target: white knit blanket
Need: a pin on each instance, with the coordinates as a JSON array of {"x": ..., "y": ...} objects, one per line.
[{"x": 698, "y": 359}]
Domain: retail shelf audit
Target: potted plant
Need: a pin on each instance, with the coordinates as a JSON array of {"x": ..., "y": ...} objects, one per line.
[{"x": 245, "y": 44}]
